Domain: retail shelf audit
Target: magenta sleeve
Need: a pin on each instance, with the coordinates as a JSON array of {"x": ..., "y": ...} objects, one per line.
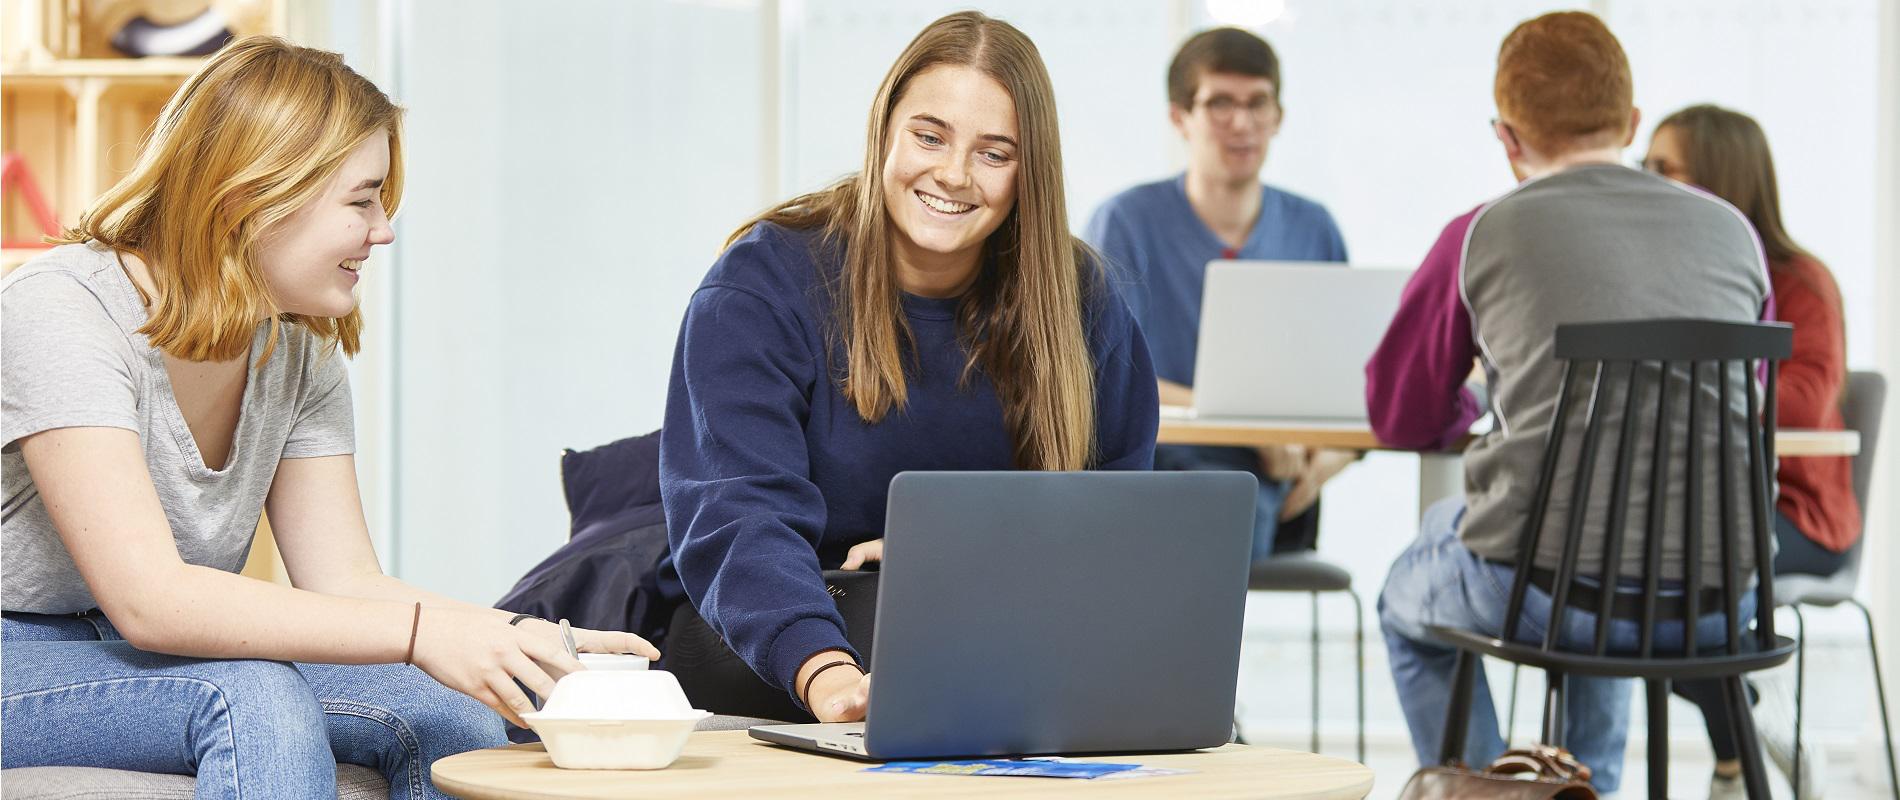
[{"x": 1415, "y": 393}]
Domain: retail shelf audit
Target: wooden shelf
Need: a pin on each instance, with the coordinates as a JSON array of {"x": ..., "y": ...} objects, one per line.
[
  {"x": 166, "y": 69},
  {"x": 76, "y": 112}
]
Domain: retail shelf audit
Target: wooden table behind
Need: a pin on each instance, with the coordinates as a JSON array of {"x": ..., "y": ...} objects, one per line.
[{"x": 732, "y": 764}]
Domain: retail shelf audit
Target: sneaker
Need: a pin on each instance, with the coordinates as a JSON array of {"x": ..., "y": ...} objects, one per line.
[
  {"x": 1774, "y": 723},
  {"x": 1728, "y": 787}
]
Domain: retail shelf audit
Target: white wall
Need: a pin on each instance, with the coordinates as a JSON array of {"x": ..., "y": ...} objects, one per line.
[
  {"x": 575, "y": 165},
  {"x": 1102, "y": 57},
  {"x": 573, "y": 168}
]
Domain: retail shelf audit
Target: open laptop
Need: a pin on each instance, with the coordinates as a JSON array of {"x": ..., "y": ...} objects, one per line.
[
  {"x": 1029, "y": 613},
  {"x": 1289, "y": 340}
]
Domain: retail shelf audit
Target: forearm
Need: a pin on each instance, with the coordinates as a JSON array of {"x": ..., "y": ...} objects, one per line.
[
  {"x": 208, "y": 613},
  {"x": 1174, "y": 394},
  {"x": 379, "y": 586}
]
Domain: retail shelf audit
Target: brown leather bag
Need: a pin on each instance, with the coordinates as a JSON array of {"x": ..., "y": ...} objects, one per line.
[{"x": 1540, "y": 772}]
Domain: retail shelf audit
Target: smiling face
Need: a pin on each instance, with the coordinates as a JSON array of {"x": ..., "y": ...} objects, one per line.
[
  {"x": 311, "y": 258},
  {"x": 949, "y": 175},
  {"x": 1228, "y": 127}
]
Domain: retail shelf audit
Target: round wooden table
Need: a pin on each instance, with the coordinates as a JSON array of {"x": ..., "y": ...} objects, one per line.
[{"x": 732, "y": 764}]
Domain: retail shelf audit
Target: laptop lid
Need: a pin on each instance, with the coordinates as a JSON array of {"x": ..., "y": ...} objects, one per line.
[
  {"x": 1290, "y": 340},
  {"x": 1059, "y": 612}
]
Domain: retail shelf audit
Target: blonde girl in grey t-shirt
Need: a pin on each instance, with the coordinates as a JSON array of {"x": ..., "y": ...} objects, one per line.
[{"x": 168, "y": 374}]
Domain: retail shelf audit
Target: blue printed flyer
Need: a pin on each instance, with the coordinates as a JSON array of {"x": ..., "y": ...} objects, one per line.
[{"x": 1031, "y": 767}]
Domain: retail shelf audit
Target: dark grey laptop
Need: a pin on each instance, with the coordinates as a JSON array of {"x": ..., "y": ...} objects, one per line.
[{"x": 1052, "y": 612}]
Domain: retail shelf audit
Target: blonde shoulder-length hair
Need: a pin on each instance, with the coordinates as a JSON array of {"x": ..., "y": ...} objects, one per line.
[
  {"x": 1022, "y": 320},
  {"x": 257, "y": 133}
]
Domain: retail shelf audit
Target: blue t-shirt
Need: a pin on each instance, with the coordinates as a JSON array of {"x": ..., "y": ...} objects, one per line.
[
  {"x": 1157, "y": 250},
  {"x": 767, "y": 472}
]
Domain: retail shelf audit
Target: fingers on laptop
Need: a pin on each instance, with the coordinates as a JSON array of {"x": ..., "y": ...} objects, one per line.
[{"x": 863, "y": 553}]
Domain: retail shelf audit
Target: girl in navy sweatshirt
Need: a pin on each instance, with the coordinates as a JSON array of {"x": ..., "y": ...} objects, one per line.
[{"x": 931, "y": 312}]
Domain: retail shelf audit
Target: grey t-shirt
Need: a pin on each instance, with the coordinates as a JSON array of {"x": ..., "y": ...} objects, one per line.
[
  {"x": 1595, "y": 243},
  {"x": 71, "y": 356}
]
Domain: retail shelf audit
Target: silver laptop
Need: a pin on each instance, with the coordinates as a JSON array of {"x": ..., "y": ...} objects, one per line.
[
  {"x": 1289, "y": 340},
  {"x": 1028, "y": 613}
]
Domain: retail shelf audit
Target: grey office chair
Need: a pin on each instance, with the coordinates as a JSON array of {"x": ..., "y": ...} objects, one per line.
[
  {"x": 1307, "y": 572},
  {"x": 1860, "y": 411},
  {"x": 1861, "y": 408}
]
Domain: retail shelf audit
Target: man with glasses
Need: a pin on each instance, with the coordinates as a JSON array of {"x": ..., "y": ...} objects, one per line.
[{"x": 1224, "y": 98}]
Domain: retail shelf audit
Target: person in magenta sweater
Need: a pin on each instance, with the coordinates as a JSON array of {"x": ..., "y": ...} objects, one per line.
[
  {"x": 1817, "y": 517},
  {"x": 931, "y": 312}
]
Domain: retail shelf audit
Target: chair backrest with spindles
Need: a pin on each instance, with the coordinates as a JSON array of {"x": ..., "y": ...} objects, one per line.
[{"x": 1631, "y": 380}]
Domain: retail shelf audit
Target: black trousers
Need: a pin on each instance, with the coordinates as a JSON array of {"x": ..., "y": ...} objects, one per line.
[
  {"x": 1795, "y": 554},
  {"x": 715, "y": 678}
]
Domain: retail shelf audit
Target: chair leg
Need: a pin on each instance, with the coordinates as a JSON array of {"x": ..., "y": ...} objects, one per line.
[
  {"x": 1554, "y": 708},
  {"x": 1510, "y": 713},
  {"x": 1451, "y": 744},
  {"x": 1754, "y": 775},
  {"x": 1658, "y": 738},
  {"x": 1359, "y": 653},
  {"x": 1800, "y": 685},
  {"x": 1315, "y": 634},
  {"x": 1880, "y": 688}
]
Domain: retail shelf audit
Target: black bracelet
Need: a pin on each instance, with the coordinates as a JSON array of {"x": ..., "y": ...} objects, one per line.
[
  {"x": 519, "y": 617},
  {"x": 813, "y": 678}
]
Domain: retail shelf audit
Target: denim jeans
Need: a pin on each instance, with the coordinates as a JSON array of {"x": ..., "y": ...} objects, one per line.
[
  {"x": 73, "y": 693},
  {"x": 1438, "y": 581}
]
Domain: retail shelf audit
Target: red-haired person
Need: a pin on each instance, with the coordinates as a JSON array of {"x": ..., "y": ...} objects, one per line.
[{"x": 1575, "y": 241}]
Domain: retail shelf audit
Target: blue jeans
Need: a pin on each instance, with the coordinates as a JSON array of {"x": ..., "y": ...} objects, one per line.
[
  {"x": 1438, "y": 581},
  {"x": 73, "y": 693}
]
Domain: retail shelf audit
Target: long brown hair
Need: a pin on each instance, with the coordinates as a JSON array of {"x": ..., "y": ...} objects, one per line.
[
  {"x": 1021, "y": 322},
  {"x": 1726, "y": 153},
  {"x": 253, "y": 136}
]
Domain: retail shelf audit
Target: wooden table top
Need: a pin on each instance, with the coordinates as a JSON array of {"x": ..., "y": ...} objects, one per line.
[
  {"x": 1357, "y": 435},
  {"x": 732, "y": 764}
]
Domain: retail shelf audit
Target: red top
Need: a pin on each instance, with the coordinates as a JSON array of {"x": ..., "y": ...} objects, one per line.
[{"x": 1817, "y": 493}]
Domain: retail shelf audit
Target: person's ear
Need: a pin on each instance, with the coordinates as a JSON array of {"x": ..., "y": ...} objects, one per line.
[
  {"x": 1636, "y": 120},
  {"x": 1177, "y": 116},
  {"x": 1513, "y": 149}
]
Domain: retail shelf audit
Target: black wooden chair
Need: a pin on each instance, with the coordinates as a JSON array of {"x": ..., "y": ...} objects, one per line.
[{"x": 1637, "y": 377}]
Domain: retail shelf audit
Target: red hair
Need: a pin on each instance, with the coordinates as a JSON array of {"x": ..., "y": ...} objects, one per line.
[{"x": 1564, "y": 83}]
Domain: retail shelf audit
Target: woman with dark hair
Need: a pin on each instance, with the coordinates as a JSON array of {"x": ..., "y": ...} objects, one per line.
[
  {"x": 1817, "y": 517},
  {"x": 929, "y": 312}
]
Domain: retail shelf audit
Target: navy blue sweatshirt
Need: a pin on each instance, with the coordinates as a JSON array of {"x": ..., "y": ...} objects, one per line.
[{"x": 769, "y": 475}]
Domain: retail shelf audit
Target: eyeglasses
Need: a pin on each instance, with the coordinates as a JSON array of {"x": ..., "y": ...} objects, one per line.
[{"x": 1221, "y": 107}]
